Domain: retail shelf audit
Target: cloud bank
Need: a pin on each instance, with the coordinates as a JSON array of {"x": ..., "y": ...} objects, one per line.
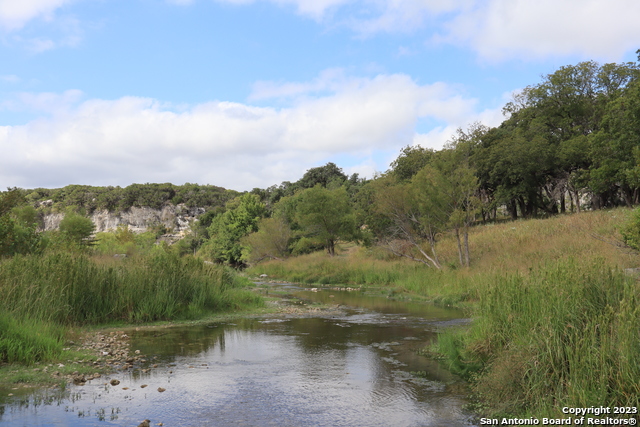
[{"x": 234, "y": 145}]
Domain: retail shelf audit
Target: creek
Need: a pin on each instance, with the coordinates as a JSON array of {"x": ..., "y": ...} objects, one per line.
[{"x": 355, "y": 365}]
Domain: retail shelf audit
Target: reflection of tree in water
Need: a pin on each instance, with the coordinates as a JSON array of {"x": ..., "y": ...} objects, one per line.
[{"x": 167, "y": 344}]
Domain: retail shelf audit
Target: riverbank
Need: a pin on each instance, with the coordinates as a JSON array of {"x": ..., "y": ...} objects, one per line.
[
  {"x": 90, "y": 353},
  {"x": 51, "y": 301},
  {"x": 555, "y": 316}
]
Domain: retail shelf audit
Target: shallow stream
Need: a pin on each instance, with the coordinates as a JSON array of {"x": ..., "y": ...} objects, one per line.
[{"x": 353, "y": 366}]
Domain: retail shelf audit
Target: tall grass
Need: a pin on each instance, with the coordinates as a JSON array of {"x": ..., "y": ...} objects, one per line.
[
  {"x": 42, "y": 293},
  {"x": 517, "y": 246},
  {"x": 565, "y": 335},
  {"x": 74, "y": 290},
  {"x": 28, "y": 341}
]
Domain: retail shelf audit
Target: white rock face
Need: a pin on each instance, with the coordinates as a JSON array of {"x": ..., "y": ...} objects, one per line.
[{"x": 176, "y": 218}]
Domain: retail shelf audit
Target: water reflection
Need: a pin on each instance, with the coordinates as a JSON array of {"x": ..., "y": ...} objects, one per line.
[{"x": 348, "y": 370}]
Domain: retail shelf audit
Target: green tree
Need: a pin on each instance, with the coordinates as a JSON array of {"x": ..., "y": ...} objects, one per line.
[
  {"x": 410, "y": 161},
  {"x": 326, "y": 215},
  {"x": 270, "y": 241},
  {"x": 407, "y": 218},
  {"x": 323, "y": 175},
  {"x": 449, "y": 185},
  {"x": 77, "y": 229},
  {"x": 18, "y": 225},
  {"x": 240, "y": 219},
  {"x": 616, "y": 148}
]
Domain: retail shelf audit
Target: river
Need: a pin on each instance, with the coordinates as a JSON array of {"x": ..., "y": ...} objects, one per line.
[{"x": 356, "y": 365}]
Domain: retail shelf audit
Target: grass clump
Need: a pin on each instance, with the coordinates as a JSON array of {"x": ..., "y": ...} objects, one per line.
[
  {"x": 29, "y": 341},
  {"x": 45, "y": 295},
  {"x": 564, "y": 335}
]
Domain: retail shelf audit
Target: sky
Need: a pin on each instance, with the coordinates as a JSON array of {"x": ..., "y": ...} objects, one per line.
[{"x": 250, "y": 93}]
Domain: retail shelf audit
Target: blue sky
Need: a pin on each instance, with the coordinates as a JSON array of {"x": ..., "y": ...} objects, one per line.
[{"x": 250, "y": 93}]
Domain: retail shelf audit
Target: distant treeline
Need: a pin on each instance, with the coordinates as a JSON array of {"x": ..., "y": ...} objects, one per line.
[{"x": 116, "y": 199}]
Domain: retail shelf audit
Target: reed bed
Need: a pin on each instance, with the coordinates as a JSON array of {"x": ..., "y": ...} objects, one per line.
[
  {"x": 64, "y": 289},
  {"x": 564, "y": 335}
]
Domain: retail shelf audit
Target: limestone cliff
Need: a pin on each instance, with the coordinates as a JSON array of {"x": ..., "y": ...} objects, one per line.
[{"x": 175, "y": 218}]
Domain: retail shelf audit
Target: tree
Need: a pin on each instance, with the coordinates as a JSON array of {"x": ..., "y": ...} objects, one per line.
[
  {"x": 240, "y": 219},
  {"x": 270, "y": 241},
  {"x": 408, "y": 219},
  {"x": 18, "y": 225},
  {"x": 77, "y": 229},
  {"x": 327, "y": 215},
  {"x": 410, "y": 161},
  {"x": 616, "y": 147},
  {"x": 322, "y": 175},
  {"x": 448, "y": 184}
]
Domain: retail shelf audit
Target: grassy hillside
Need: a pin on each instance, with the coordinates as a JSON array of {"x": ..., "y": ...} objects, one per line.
[
  {"x": 556, "y": 320},
  {"x": 519, "y": 246}
]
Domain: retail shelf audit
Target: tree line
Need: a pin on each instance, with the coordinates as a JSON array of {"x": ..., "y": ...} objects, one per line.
[
  {"x": 88, "y": 198},
  {"x": 568, "y": 143}
]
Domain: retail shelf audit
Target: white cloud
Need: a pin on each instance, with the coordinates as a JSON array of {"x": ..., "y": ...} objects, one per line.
[
  {"x": 14, "y": 14},
  {"x": 330, "y": 79},
  {"x": 500, "y": 29},
  {"x": 394, "y": 16},
  {"x": 495, "y": 29},
  {"x": 229, "y": 144}
]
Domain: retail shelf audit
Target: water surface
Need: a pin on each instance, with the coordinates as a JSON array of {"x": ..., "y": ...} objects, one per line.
[{"x": 348, "y": 369}]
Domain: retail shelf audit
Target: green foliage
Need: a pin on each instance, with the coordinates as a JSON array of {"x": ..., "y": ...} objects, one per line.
[
  {"x": 28, "y": 341},
  {"x": 406, "y": 217},
  {"x": 17, "y": 226},
  {"x": 327, "y": 215},
  {"x": 226, "y": 230},
  {"x": 411, "y": 160},
  {"x": 124, "y": 235},
  {"x": 631, "y": 231},
  {"x": 323, "y": 176},
  {"x": 77, "y": 229},
  {"x": 564, "y": 336},
  {"x": 270, "y": 241},
  {"x": 68, "y": 289},
  {"x": 136, "y": 195}
]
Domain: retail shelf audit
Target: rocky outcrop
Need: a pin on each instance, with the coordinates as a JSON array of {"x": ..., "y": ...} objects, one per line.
[{"x": 175, "y": 218}]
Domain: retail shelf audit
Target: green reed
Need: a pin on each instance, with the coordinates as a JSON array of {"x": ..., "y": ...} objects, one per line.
[
  {"x": 44, "y": 295},
  {"x": 564, "y": 335}
]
